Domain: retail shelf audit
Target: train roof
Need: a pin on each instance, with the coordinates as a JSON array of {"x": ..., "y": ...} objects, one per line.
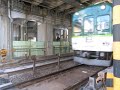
[{"x": 93, "y": 5}]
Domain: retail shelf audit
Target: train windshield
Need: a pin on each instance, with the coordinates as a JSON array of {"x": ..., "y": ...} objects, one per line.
[
  {"x": 89, "y": 25},
  {"x": 103, "y": 24}
]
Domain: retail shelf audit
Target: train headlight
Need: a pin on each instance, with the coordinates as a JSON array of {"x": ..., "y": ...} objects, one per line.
[
  {"x": 76, "y": 13},
  {"x": 102, "y": 7}
]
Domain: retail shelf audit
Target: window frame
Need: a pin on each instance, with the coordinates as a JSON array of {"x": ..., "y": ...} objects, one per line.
[
  {"x": 97, "y": 22},
  {"x": 80, "y": 32},
  {"x": 89, "y": 16}
]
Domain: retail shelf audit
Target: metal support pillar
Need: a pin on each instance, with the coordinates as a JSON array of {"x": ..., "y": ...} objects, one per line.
[
  {"x": 59, "y": 61},
  {"x": 46, "y": 39},
  {"x": 34, "y": 61},
  {"x": 22, "y": 36},
  {"x": 116, "y": 44},
  {"x": 5, "y": 33}
]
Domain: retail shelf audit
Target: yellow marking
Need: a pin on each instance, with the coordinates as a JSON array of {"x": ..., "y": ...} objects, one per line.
[
  {"x": 116, "y": 83},
  {"x": 116, "y": 14},
  {"x": 109, "y": 75},
  {"x": 116, "y": 50},
  {"x": 3, "y": 52},
  {"x": 109, "y": 88}
]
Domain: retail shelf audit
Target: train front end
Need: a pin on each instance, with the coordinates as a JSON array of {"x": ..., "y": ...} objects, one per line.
[{"x": 92, "y": 35}]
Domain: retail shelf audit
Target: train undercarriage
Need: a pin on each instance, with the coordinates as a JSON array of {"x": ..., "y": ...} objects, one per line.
[{"x": 93, "y": 58}]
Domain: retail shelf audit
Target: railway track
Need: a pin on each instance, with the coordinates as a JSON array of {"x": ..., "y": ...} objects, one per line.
[
  {"x": 20, "y": 78},
  {"x": 25, "y": 68},
  {"x": 29, "y": 61},
  {"x": 17, "y": 76},
  {"x": 40, "y": 62},
  {"x": 67, "y": 79}
]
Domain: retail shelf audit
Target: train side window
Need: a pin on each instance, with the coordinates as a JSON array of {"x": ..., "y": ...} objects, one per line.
[
  {"x": 103, "y": 23},
  {"x": 89, "y": 25}
]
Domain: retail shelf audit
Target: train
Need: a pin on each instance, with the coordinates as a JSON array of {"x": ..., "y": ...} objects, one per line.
[{"x": 92, "y": 35}]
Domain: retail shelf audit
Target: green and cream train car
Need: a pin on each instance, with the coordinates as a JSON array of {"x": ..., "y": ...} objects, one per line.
[{"x": 92, "y": 34}]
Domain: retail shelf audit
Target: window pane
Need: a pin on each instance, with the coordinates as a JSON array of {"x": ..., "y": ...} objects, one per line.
[
  {"x": 77, "y": 26},
  {"x": 103, "y": 23},
  {"x": 88, "y": 25}
]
